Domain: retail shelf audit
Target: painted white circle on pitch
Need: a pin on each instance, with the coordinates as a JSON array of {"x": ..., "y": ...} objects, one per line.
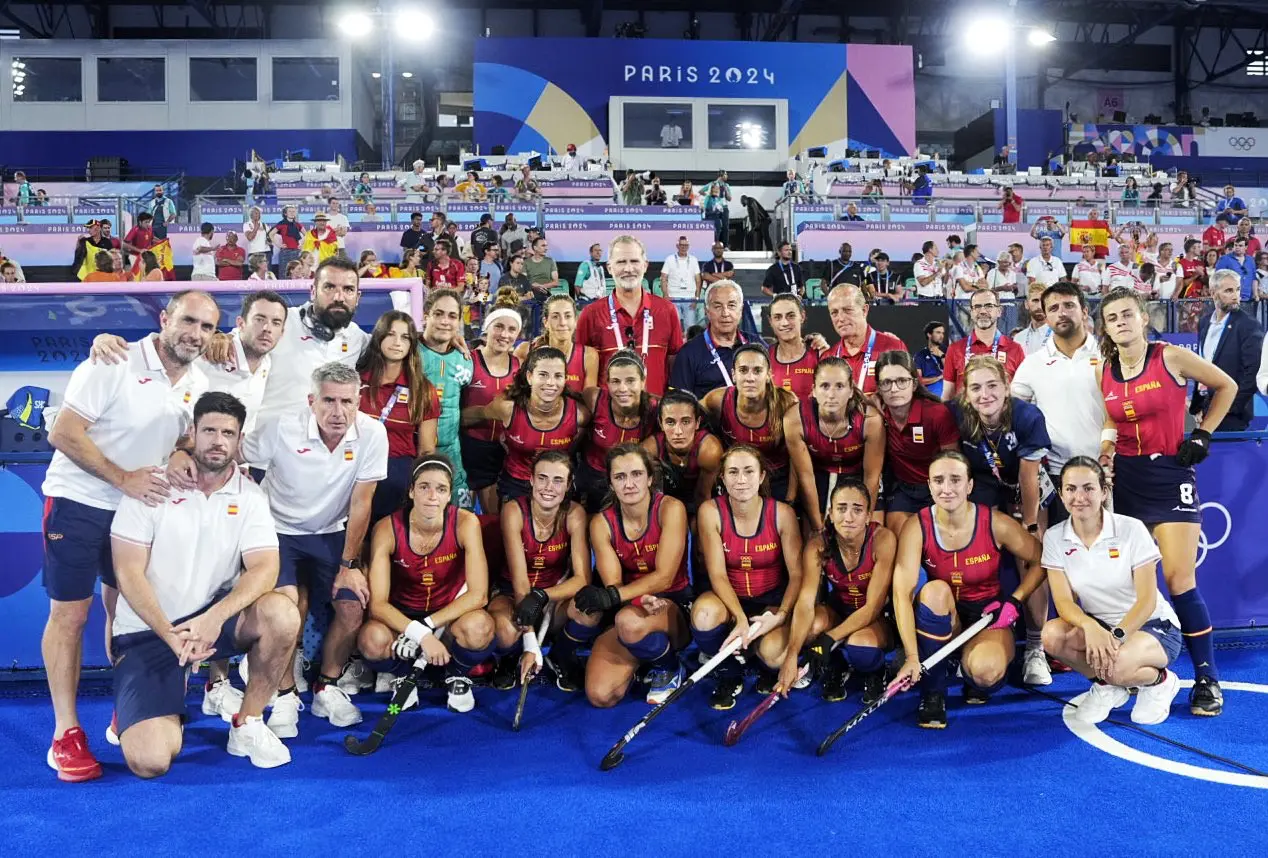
[{"x": 1092, "y": 734}]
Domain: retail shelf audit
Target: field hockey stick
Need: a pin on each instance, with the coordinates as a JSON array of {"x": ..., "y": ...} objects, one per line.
[
  {"x": 370, "y": 744},
  {"x": 547, "y": 616},
  {"x": 737, "y": 729},
  {"x": 615, "y": 756},
  {"x": 897, "y": 687}
]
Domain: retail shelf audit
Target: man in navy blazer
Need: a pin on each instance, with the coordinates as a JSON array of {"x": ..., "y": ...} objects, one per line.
[{"x": 1231, "y": 340}]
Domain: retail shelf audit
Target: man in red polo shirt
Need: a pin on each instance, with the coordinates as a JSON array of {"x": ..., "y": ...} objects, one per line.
[
  {"x": 632, "y": 318},
  {"x": 860, "y": 344},
  {"x": 984, "y": 339}
]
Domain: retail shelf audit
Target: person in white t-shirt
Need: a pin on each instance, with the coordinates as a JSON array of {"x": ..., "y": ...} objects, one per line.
[
  {"x": 1045, "y": 268},
  {"x": 196, "y": 575},
  {"x": 338, "y": 222},
  {"x": 1167, "y": 272},
  {"x": 671, "y": 134},
  {"x": 256, "y": 234},
  {"x": 204, "y": 254},
  {"x": 928, "y": 271},
  {"x": 967, "y": 274},
  {"x": 681, "y": 280},
  {"x": 117, "y": 425},
  {"x": 415, "y": 185},
  {"x": 1113, "y": 625},
  {"x": 1033, "y": 336},
  {"x": 1088, "y": 271},
  {"x": 1121, "y": 273},
  {"x": 1003, "y": 278}
]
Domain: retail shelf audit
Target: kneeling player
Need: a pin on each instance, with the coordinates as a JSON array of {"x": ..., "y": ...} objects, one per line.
[
  {"x": 174, "y": 561},
  {"x": 640, "y": 553},
  {"x": 854, "y": 556},
  {"x": 429, "y": 583},
  {"x": 963, "y": 585},
  {"x": 752, "y": 550},
  {"x": 548, "y": 561}
]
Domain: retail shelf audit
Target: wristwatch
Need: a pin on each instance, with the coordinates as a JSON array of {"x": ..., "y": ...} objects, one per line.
[
  {"x": 1119, "y": 634},
  {"x": 1032, "y": 528},
  {"x": 354, "y": 563}
]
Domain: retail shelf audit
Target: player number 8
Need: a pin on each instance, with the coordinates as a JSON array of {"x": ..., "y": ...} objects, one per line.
[{"x": 1186, "y": 493}]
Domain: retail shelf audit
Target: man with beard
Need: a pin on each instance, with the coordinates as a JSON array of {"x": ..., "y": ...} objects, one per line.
[
  {"x": 706, "y": 362},
  {"x": 197, "y": 576},
  {"x": 984, "y": 339},
  {"x": 784, "y": 275},
  {"x": 116, "y": 426},
  {"x": 1032, "y": 337},
  {"x": 843, "y": 269},
  {"x": 1233, "y": 341},
  {"x": 860, "y": 344},
  {"x": 929, "y": 359}
]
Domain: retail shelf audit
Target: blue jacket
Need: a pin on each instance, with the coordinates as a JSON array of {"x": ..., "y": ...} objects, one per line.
[{"x": 1238, "y": 354}]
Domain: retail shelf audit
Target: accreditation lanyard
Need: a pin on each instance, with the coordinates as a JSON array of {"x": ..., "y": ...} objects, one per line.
[
  {"x": 401, "y": 390},
  {"x": 993, "y": 459},
  {"x": 717, "y": 358},
  {"x": 616, "y": 330},
  {"x": 968, "y": 347},
  {"x": 790, "y": 276}
]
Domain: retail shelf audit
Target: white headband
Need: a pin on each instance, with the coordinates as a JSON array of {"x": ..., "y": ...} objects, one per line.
[
  {"x": 428, "y": 463},
  {"x": 502, "y": 313}
]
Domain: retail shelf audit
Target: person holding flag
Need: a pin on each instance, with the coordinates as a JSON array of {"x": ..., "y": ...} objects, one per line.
[
  {"x": 138, "y": 240},
  {"x": 163, "y": 212},
  {"x": 321, "y": 239},
  {"x": 1090, "y": 231},
  {"x": 86, "y": 249}
]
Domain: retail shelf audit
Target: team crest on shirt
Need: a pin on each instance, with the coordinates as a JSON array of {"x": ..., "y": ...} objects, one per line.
[
  {"x": 918, "y": 434},
  {"x": 233, "y": 509},
  {"x": 1129, "y": 410},
  {"x": 343, "y": 347},
  {"x": 1113, "y": 554},
  {"x": 347, "y": 454},
  {"x": 188, "y": 396},
  {"x": 746, "y": 563}
]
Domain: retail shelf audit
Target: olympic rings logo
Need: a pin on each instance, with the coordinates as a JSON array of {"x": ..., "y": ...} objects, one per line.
[
  {"x": 1205, "y": 544},
  {"x": 1243, "y": 143}
]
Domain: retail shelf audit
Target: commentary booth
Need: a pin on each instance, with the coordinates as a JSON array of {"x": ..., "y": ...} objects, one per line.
[{"x": 699, "y": 134}]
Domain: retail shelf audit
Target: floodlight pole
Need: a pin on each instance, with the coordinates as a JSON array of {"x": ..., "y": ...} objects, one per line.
[
  {"x": 1010, "y": 83},
  {"x": 388, "y": 97}
]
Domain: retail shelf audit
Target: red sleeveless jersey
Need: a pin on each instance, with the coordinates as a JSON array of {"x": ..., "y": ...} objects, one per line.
[
  {"x": 849, "y": 586},
  {"x": 762, "y": 437},
  {"x": 1148, "y": 411},
  {"x": 841, "y": 455},
  {"x": 482, "y": 390},
  {"x": 604, "y": 433},
  {"x": 638, "y": 555},
  {"x": 547, "y": 561},
  {"x": 798, "y": 376},
  {"x": 575, "y": 369},
  {"x": 755, "y": 563},
  {"x": 524, "y": 441},
  {"x": 973, "y": 571},
  {"x": 427, "y": 583}
]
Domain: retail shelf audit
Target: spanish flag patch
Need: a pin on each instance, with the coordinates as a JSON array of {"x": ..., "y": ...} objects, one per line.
[
  {"x": 345, "y": 348},
  {"x": 1113, "y": 553},
  {"x": 918, "y": 434},
  {"x": 347, "y": 455},
  {"x": 233, "y": 509},
  {"x": 188, "y": 396},
  {"x": 1129, "y": 410}
]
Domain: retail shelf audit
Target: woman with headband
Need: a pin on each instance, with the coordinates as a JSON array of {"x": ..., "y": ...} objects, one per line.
[
  {"x": 493, "y": 369},
  {"x": 623, "y": 413},
  {"x": 559, "y": 331},
  {"x": 429, "y": 583}
]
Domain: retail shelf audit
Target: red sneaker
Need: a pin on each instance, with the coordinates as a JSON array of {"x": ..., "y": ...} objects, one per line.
[
  {"x": 1056, "y": 666},
  {"x": 71, "y": 759},
  {"x": 481, "y": 669}
]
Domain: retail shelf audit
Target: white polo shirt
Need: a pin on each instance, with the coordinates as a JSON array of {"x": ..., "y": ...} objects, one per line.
[
  {"x": 1100, "y": 574},
  {"x": 136, "y": 416},
  {"x": 309, "y": 485},
  {"x": 1045, "y": 271},
  {"x": 1003, "y": 285},
  {"x": 1118, "y": 275},
  {"x": 678, "y": 276},
  {"x": 1032, "y": 339},
  {"x": 235, "y": 377},
  {"x": 297, "y": 354},
  {"x": 197, "y": 544},
  {"x": 923, "y": 268},
  {"x": 259, "y": 244},
  {"x": 338, "y": 221},
  {"x": 1088, "y": 275},
  {"x": 965, "y": 271},
  {"x": 1068, "y": 392}
]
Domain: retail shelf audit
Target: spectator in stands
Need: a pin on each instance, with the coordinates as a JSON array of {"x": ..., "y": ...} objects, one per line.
[
  {"x": 1002, "y": 159},
  {"x": 1121, "y": 273},
  {"x": 1045, "y": 268},
  {"x": 1244, "y": 230},
  {"x": 512, "y": 236},
  {"x": 706, "y": 362},
  {"x": 758, "y": 225},
  {"x": 687, "y": 195},
  {"x": 922, "y": 188},
  {"x": 542, "y": 271},
  {"x": 339, "y": 223},
  {"x": 784, "y": 275},
  {"x": 369, "y": 267},
  {"x": 1003, "y": 279},
  {"x": 526, "y": 187},
  {"x": 843, "y": 269},
  {"x": 413, "y": 264},
  {"x": 671, "y": 134},
  {"x": 1032, "y": 336},
  {"x": 1046, "y": 227},
  {"x": 230, "y": 257},
  {"x": 1182, "y": 190},
  {"x": 287, "y": 235},
  {"x": 929, "y": 360},
  {"x": 259, "y": 265},
  {"x": 717, "y": 207},
  {"x": 118, "y": 265},
  {"x": 292, "y": 270},
  {"x": 592, "y": 275},
  {"x": 457, "y": 242},
  {"x": 363, "y": 191},
  {"x": 632, "y": 189},
  {"x": 1231, "y": 205},
  {"x": 681, "y": 281},
  {"x": 471, "y": 189},
  {"x": 321, "y": 240},
  {"x": 656, "y": 195},
  {"x": 793, "y": 186},
  {"x": 1167, "y": 273},
  {"x": 150, "y": 268},
  {"x": 4, "y": 260},
  {"x": 571, "y": 162},
  {"x": 307, "y": 267},
  {"x": 437, "y": 225},
  {"x": 498, "y": 192},
  {"x": 968, "y": 274},
  {"x": 873, "y": 191},
  {"x": 927, "y": 271},
  {"x": 163, "y": 208},
  {"x": 413, "y": 236},
  {"x": 1192, "y": 268},
  {"x": 1018, "y": 253},
  {"x": 1240, "y": 264},
  {"x": 483, "y": 236},
  {"x": 1089, "y": 272},
  {"x": 851, "y": 212},
  {"x": 445, "y": 271},
  {"x": 882, "y": 284},
  {"x": 718, "y": 268},
  {"x": 104, "y": 269},
  {"x": 256, "y": 234},
  {"x": 955, "y": 244},
  {"x": 25, "y": 192},
  {"x": 1217, "y": 234},
  {"x": 490, "y": 268},
  {"x": 204, "y": 254},
  {"x": 1233, "y": 341},
  {"x": 1261, "y": 273},
  {"x": 1131, "y": 193},
  {"x": 1154, "y": 200},
  {"x": 985, "y": 338},
  {"x": 860, "y": 345},
  {"x": 517, "y": 279},
  {"x": 1011, "y": 205},
  {"x": 9, "y": 272},
  {"x": 371, "y": 214},
  {"x": 440, "y": 190},
  {"x": 415, "y": 184}
]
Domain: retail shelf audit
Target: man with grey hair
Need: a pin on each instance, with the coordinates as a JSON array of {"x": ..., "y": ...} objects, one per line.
[
  {"x": 706, "y": 361},
  {"x": 1233, "y": 341},
  {"x": 322, "y": 463},
  {"x": 415, "y": 184}
]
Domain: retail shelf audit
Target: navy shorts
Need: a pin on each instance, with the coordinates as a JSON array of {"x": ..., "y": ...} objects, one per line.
[
  {"x": 1057, "y": 512},
  {"x": 510, "y": 488},
  {"x": 148, "y": 679},
  {"x": 778, "y": 483},
  {"x": 390, "y": 492},
  {"x": 907, "y": 497},
  {"x": 76, "y": 549},
  {"x": 591, "y": 487},
  {"x": 313, "y": 560},
  {"x": 1162, "y": 631},
  {"x": 768, "y": 601},
  {"x": 1156, "y": 490},
  {"x": 482, "y": 460}
]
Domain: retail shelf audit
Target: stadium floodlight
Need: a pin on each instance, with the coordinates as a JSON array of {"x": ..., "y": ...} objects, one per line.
[
  {"x": 1038, "y": 37},
  {"x": 375, "y": 75},
  {"x": 989, "y": 34},
  {"x": 414, "y": 25},
  {"x": 356, "y": 24},
  {"x": 407, "y": 75}
]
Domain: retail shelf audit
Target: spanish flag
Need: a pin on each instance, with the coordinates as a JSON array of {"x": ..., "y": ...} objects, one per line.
[
  {"x": 1093, "y": 232},
  {"x": 326, "y": 246},
  {"x": 1113, "y": 553},
  {"x": 162, "y": 250}
]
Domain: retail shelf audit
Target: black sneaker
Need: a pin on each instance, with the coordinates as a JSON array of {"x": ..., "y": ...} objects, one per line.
[
  {"x": 506, "y": 673},
  {"x": 570, "y": 675},
  {"x": 974, "y": 696},
  {"x": 932, "y": 714},
  {"x": 725, "y": 691},
  {"x": 833, "y": 683},
  {"x": 1206, "y": 698},
  {"x": 767, "y": 679},
  {"x": 873, "y": 687}
]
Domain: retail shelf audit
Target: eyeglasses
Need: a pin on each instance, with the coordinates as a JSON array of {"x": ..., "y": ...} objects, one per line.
[{"x": 894, "y": 383}]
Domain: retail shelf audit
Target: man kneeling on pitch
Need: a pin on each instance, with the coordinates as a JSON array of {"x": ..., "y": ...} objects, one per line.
[{"x": 196, "y": 575}]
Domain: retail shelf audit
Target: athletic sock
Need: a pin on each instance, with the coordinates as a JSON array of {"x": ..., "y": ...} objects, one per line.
[
  {"x": 290, "y": 690},
  {"x": 1195, "y": 624},
  {"x": 322, "y": 681},
  {"x": 710, "y": 641},
  {"x": 932, "y": 633},
  {"x": 1162, "y": 674},
  {"x": 653, "y": 650},
  {"x": 986, "y": 690},
  {"x": 864, "y": 659},
  {"x": 500, "y": 651},
  {"x": 1034, "y": 639},
  {"x": 462, "y": 660},
  {"x": 573, "y": 636}
]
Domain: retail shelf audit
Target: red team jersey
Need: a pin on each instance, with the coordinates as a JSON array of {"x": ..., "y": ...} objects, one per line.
[
  {"x": 484, "y": 387},
  {"x": 755, "y": 563},
  {"x": 909, "y": 450},
  {"x": 427, "y": 583},
  {"x": 575, "y": 369},
  {"x": 863, "y": 362},
  {"x": 842, "y": 455},
  {"x": 524, "y": 441},
  {"x": 547, "y": 561},
  {"x": 849, "y": 586},
  {"x": 605, "y": 434},
  {"x": 798, "y": 376},
  {"x": 735, "y": 431},
  {"x": 1004, "y": 349},
  {"x": 390, "y": 405},
  {"x": 638, "y": 555},
  {"x": 973, "y": 571},
  {"x": 1148, "y": 411}
]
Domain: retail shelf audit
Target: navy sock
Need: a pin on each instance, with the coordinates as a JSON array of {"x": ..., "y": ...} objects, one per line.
[
  {"x": 500, "y": 651},
  {"x": 709, "y": 642},
  {"x": 864, "y": 659},
  {"x": 987, "y": 690},
  {"x": 571, "y": 637},
  {"x": 462, "y": 660},
  {"x": 932, "y": 633},
  {"x": 654, "y": 650},
  {"x": 1195, "y": 624}
]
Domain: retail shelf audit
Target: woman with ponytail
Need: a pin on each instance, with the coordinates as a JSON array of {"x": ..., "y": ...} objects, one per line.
[
  {"x": 623, "y": 413},
  {"x": 844, "y": 434},
  {"x": 559, "y": 331},
  {"x": 493, "y": 369}
]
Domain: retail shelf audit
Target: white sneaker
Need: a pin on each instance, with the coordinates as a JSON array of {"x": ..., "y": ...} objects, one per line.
[
  {"x": 460, "y": 697},
  {"x": 804, "y": 681},
  {"x": 333, "y": 704},
  {"x": 1153, "y": 702},
  {"x": 383, "y": 682},
  {"x": 1096, "y": 704},
  {"x": 284, "y": 719},
  {"x": 301, "y": 684},
  {"x": 222, "y": 699},
  {"x": 356, "y": 677},
  {"x": 411, "y": 701},
  {"x": 112, "y": 734},
  {"x": 1035, "y": 667},
  {"x": 661, "y": 684},
  {"x": 258, "y": 743}
]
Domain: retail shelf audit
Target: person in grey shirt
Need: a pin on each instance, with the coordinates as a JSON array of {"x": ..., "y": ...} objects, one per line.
[{"x": 512, "y": 233}]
